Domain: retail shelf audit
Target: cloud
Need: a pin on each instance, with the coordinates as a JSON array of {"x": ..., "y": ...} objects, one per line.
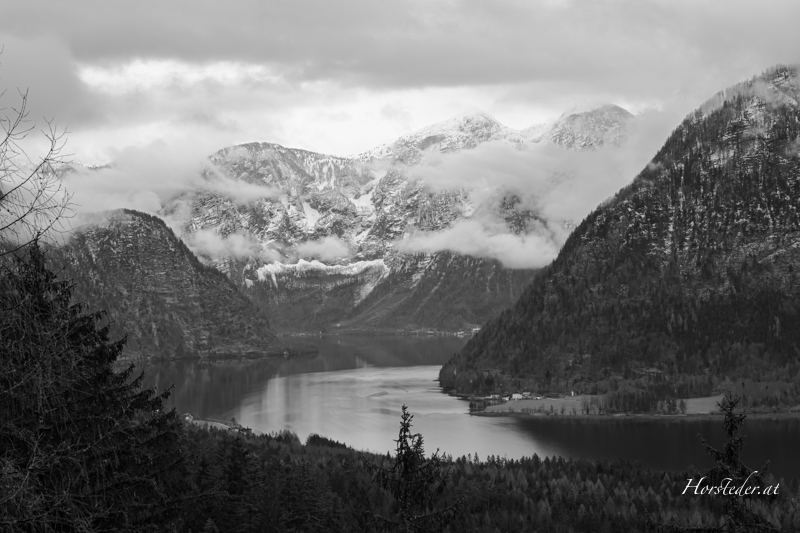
[
  {"x": 482, "y": 238},
  {"x": 239, "y": 245},
  {"x": 423, "y": 42},
  {"x": 326, "y": 249},
  {"x": 209, "y": 120},
  {"x": 42, "y": 66},
  {"x": 148, "y": 177},
  {"x": 560, "y": 183},
  {"x": 556, "y": 184},
  {"x": 288, "y": 72}
]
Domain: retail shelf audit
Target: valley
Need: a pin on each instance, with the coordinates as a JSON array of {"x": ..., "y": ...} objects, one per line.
[
  {"x": 490, "y": 267},
  {"x": 680, "y": 286}
]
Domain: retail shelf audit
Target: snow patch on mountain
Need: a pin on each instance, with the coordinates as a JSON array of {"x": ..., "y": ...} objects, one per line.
[
  {"x": 458, "y": 133},
  {"x": 311, "y": 216},
  {"x": 341, "y": 218},
  {"x": 270, "y": 272}
]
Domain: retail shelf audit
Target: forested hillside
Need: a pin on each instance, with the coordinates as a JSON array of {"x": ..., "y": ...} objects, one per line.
[
  {"x": 687, "y": 277},
  {"x": 158, "y": 293}
]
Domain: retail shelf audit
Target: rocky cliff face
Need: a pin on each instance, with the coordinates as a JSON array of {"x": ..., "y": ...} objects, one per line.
[
  {"x": 158, "y": 293},
  {"x": 692, "y": 270},
  {"x": 365, "y": 203}
]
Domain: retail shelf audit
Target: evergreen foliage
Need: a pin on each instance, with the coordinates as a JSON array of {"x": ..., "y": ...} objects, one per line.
[
  {"x": 415, "y": 483},
  {"x": 741, "y": 513},
  {"x": 318, "y": 488},
  {"x": 82, "y": 448}
]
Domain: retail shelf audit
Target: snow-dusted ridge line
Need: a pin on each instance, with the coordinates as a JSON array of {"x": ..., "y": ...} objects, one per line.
[
  {"x": 469, "y": 129},
  {"x": 272, "y": 270},
  {"x": 364, "y": 206}
]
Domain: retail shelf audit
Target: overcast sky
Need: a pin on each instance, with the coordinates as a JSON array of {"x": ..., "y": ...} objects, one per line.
[{"x": 343, "y": 76}]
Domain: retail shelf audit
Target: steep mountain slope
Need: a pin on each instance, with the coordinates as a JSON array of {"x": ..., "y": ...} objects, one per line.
[
  {"x": 365, "y": 203},
  {"x": 443, "y": 291},
  {"x": 158, "y": 293},
  {"x": 687, "y": 276}
]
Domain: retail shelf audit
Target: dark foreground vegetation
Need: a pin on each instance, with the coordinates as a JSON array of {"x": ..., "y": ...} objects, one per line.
[{"x": 83, "y": 448}]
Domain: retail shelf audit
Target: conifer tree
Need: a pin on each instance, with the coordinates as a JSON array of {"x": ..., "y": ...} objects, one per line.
[
  {"x": 739, "y": 513},
  {"x": 82, "y": 447},
  {"x": 740, "y": 516},
  {"x": 416, "y": 483}
]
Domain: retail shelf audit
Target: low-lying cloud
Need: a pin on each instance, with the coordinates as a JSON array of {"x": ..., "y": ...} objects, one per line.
[
  {"x": 146, "y": 178},
  {"x": 153, "y": 179},
  {"x": 481, "y": 239},
  {"x": 239, "y": 245},
  {"x": 325, "y": 249},
  {"x": 557, "y": 185}
]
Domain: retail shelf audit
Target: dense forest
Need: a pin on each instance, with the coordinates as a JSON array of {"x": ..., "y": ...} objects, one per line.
[
  {"x": 84, "y": 448},
  {"x": 685, "y": 282}
]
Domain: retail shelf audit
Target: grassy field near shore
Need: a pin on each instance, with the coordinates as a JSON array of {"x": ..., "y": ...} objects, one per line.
[{"x": 572, "y": 405}]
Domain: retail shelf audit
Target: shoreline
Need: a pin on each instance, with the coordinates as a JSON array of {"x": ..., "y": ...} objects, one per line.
[
  {"x": 572, "y": 407},
  {"x": 637, "y": 416},
  {"x": 378, "y": 332}
]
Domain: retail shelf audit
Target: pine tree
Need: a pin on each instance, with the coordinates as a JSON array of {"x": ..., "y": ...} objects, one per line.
[
  {"x": 415, "y": 483},
  {"x": 82, "y": 447},
  {"x": 739, "y": 515}
]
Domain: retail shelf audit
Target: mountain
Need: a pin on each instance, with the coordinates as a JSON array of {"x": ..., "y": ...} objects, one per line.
[
  {"x": 157, "y": 292},
  {"x": 592, "y": 129},
  {"x": 458, "y": 133},
  {"x": 688, "y": 277},
  {"x": 361, "y": 206}
]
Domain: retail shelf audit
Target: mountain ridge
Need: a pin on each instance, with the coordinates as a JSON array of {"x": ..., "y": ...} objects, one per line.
[
  {"x": 365, "y": 206},
  {"x": 690, "y": 271}
]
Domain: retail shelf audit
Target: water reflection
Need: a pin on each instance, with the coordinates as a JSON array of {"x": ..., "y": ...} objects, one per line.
[
  {"x": 352, "y": 391},
  {"x": 216, "y": 389},
  {"x": 362, "y": 408}
]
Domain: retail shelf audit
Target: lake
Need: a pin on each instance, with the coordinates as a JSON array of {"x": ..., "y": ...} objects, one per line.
[{"x": 353, "y": 389}]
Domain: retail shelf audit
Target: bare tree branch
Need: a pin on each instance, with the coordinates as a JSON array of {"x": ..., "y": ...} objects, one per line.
[{"x": 33, "y": 200}]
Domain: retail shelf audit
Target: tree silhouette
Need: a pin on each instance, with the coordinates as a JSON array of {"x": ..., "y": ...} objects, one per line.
[
  {"x": 33, "y": 201},
  {"x": 741, "y": 513},
  {"x": 416, "y": 483},
  {"x": 82, "y": 448}
]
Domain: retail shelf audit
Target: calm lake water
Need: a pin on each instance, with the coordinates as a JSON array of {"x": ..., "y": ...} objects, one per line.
[{"x": 353, "y": 390}]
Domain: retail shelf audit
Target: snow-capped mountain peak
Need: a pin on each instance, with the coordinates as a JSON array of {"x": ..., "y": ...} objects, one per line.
[
  {"x": 586, "y": 130},
  {"x": 462, "y": 131},
  {"x": 581, "y": 128},
  {"x": 353, "y": 210}
]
